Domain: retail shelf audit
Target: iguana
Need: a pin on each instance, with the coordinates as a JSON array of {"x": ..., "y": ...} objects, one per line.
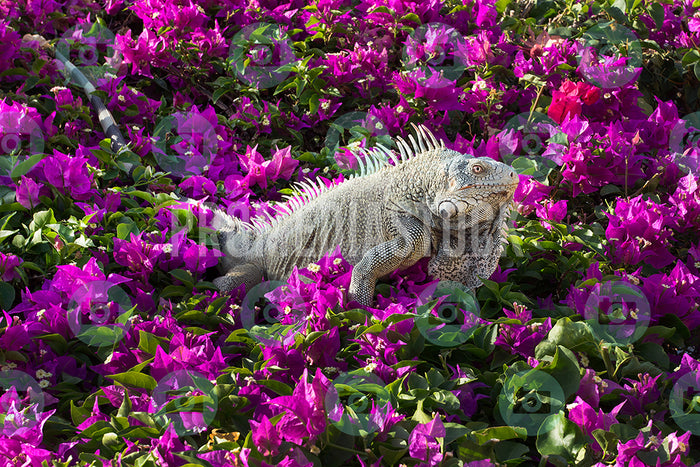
[{"x": 432, "y": 201}]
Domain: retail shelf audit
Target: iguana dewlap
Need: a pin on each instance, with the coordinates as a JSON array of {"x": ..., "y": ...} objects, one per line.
[{"x": 432, "y": 202}]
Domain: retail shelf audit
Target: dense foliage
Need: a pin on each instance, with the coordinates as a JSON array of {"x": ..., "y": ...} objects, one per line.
[{"x": 116, "y": 347}]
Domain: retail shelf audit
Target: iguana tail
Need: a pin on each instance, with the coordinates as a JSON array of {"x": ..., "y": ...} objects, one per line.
[{"x": 109, "y": 126}]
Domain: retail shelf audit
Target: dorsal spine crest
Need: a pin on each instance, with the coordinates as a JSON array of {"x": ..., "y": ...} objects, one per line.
[{"x": 374, "y": 160}]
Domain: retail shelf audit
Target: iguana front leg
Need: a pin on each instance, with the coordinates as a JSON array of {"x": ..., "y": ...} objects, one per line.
[{"x": 411, "y": 244}]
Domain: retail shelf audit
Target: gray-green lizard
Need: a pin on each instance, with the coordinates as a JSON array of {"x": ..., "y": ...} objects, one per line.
[{"x": 432, "y": 201}]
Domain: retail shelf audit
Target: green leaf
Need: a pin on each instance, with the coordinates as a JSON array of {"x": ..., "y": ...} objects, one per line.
[
  {"x": 499, "y": 433},
  {"x": 7, "y": 296},
  {"x": 565, "y": 369},
  {"x": 125, "y": 229},
  {"x": 78, "y": 414},
  {"x": 692, "y": 56},
  {"x": 559, "y": 436},
  {"x": 653, "y": 352},
  {"x": 125, "y": 407},
  {"x": 610, "y": 189},
  {"x": 631, "y": 5},
  {"x": 606, "y": 439},
  {"x": 40, "y": 219},
  {"x": 148, "y": 342},
  {"x": 137, "y": 380},
  {"x": 25, "y": 166},
  {"x": 277, "y": 386},
  {"x": 184, "y": 276},
  {"x": 575, "y": 336},
  {"x": 656, "y": 11}
]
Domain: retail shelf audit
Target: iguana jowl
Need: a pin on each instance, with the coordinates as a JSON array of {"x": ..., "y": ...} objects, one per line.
[{"x": 432, "y": 202}]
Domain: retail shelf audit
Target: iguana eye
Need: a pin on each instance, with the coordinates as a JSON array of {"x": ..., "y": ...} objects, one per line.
[{"x": 477, "y": 169}]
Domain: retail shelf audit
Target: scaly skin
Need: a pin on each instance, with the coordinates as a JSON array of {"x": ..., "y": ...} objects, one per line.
[{"x": 434, "y": 202}]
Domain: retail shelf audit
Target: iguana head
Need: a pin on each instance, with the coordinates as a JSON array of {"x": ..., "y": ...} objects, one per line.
[{"x": 473, "y": 188}]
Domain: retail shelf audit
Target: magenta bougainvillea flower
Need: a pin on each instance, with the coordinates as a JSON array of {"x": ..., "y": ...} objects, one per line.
[
  {"x": 265, "y": 437},
  {"x": 8, "y": 265},
  {"x": 638, "y": 393},
  {"x": 22, "y": 433},
  {"x": 425, "y": 441},
  {"x": 69, "y": 174},
  {"x": 639, "y": 230},
  {"x": 465, "y": 392},
  {"x": 677, "y": 292},
  {"x": 12, "y": 41},
  {"x": 649, "y": 441},
  {"x": 585, "y": 416},
  {"x": 522, "y": 338},
  {"x": 304, "y": 418},
  {"x": 28, "y": 192},
  {"x": 137, "y": 255}
]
